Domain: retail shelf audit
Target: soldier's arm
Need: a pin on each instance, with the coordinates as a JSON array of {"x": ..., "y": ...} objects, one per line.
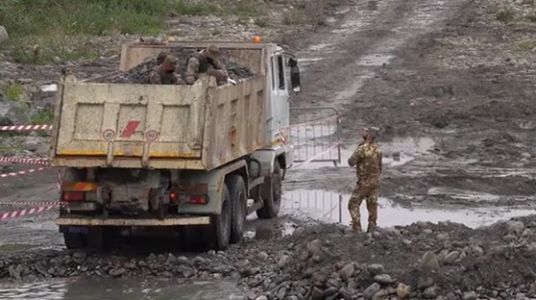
[
  {"x": 355, "y": 158},
  {"x": 192, "y": 68}
]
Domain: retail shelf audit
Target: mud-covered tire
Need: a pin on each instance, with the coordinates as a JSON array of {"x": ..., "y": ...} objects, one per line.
[
  {"x": 272, "y": 203},
  {"x": 238, "y": 194},
  {"x": 74, "y": 240},
  {"x": 220, "y": 225}
]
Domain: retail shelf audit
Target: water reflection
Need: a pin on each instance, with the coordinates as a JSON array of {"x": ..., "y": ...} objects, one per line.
[
  {"x": 332, "y": 208},
  {"x": 119, "y": 289}
]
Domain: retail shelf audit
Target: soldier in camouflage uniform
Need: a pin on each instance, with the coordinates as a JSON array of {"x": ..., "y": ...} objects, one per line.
[
  {"x": 164, "y": 73},
  {"x": 367, "y": 159},
  {"x": 206, "y": 61}
]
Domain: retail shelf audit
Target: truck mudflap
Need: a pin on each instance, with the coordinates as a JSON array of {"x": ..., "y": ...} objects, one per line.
[{"x": 174, "y": 221}]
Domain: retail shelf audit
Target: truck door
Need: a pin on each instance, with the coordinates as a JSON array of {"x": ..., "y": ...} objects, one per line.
[{"x": 280, "y": 94}]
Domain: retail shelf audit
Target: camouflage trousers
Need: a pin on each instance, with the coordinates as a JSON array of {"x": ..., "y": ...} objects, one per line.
[{"x": 360, "y": 193}]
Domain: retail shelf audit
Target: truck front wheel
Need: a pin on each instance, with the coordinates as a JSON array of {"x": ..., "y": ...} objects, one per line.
[
  {"x": 221, "y": 224},
  {"x": 272, "y": 201}
]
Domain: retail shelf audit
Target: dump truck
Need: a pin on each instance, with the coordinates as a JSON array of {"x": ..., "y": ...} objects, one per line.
[{"x": 166, "y": 157}]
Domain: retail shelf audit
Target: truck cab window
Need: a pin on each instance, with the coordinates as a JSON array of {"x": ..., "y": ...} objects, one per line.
[
  {"x": 273, "y": 72},
  {"x": 281, "y": 72}
]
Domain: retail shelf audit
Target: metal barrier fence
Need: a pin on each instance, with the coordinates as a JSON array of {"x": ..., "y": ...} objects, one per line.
[{"x": 315, "y": 135}]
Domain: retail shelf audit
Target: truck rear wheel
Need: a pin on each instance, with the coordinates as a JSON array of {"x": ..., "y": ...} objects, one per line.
[
  {"x": 272, "y": 202},
  {"x": 220, "y": 225},
  {"x": 74, "y": 240},
  {"x": 237, "y": 191}
]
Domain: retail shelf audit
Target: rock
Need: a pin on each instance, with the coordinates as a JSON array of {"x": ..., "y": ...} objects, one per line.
[
  {"x": 283, "y": 261},
  {"x": 3, "y": 34},
  {"x": 430, "y": 292},
  {"x": 452, "y": 296},
  {"x": 347, "y": 293},
  {"x": 430, "y": 261},
  {"x": 470, "y": 296},
  {"x": 451, "y": 257},
  {"x": 314, "y": 247},
  {"x": 427, "y": 231},
  {"x": 263, "y": 255},
  {"x": 347, "y": 271},
  {"x": 117, "y": 272},
  {"x": 375, "y": 269},
  {"x": 261, "y": 298},
  {"x": 371, "y": 290},
  {"x": 403, "y": 291},
  {"x": 516, "y": 227},
  {"x": 442, "y": 236},
  {"x": 330, "y": 291},
  {"x": 317, "y": 294},
  {"x": 384, "y": 279},
  {"x": 425, "y": 282},
  {"x": 381, "y": 295}
]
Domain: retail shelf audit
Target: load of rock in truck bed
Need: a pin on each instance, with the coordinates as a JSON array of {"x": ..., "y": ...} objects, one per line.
[{"x": 140, "y": 73}]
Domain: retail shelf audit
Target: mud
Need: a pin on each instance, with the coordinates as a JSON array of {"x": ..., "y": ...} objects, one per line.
[{"x": 454, "y": 100}]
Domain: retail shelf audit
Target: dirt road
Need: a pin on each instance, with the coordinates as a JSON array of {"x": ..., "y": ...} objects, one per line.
[{"x": 457, "y": 120}]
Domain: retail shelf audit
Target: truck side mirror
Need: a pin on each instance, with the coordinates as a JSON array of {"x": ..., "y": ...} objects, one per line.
[{"x": 295, "y": 76}]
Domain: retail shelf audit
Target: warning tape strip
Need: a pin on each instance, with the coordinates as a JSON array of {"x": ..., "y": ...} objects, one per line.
[
  {"x": 26, "y": 212},
  {"x": 33, "y": 161},
  {"x": 337, "y": 144},
  {"x": 25, "y": 127},
  {"x": 29, "y": 203},
  {"x": 20, "y": 173}
]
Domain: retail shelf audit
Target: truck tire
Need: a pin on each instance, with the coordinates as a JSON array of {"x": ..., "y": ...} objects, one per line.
[
  {"x": 271, "y": 206},
  {"x": 237, "y": 191},
  {"x": 220, "y": 225},
  {"x": 74, "y": 240}
]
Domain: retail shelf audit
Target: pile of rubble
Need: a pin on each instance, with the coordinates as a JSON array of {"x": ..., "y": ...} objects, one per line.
[
  {"x": 140, "y": 73},
  {"x": 420, "y": 261}
]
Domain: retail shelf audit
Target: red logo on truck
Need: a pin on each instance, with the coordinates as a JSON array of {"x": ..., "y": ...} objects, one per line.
[{"x": 130, "y": 129}]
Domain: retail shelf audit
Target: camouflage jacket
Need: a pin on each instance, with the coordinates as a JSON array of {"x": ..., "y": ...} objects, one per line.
[
  {"x": 158, "y": 77},
  {"x": 367, "y": 159},
  {"x": 198, "y": 64}
]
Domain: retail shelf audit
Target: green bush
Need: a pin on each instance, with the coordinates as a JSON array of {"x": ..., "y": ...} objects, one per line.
[
  {"x": 44, "y": 116},
  {"x": 14, "y": 92}
]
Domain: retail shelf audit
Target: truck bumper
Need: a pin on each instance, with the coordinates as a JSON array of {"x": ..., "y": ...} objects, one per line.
[{"x": 177, "y": 221}]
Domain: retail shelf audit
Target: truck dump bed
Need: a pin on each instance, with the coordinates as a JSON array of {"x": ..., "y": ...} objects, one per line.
[{"x": 200, "y": 127}]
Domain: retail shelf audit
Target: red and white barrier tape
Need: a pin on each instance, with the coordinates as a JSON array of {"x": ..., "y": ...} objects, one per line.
[
  {"x": 26, "y": 212},
  {"x": 33, "y": 161},
  {"x": 29, "y": 203},
  {"x": 20, "y": 173},
  {"x": 25, "y": 127},
  {"x": 337, "y": 144}
]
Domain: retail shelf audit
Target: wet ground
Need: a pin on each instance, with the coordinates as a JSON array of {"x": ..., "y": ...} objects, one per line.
[
  {"x": 89, "y": 289},
  {"x": 372, "y": 64}
]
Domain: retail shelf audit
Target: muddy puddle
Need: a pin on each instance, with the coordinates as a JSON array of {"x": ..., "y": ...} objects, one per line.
[
  {"x": 116, "y": 289},
  {"x": 331, "y": 207}
]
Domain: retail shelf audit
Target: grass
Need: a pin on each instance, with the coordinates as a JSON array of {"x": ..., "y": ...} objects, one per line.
[
  {"x": 44, "y": 116},
  {"x": 13, "y": 92},
  {"x": 506, "y": 15},
  {"x": 525, "y": 46},
  {"x": 41, "y": 30}
]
